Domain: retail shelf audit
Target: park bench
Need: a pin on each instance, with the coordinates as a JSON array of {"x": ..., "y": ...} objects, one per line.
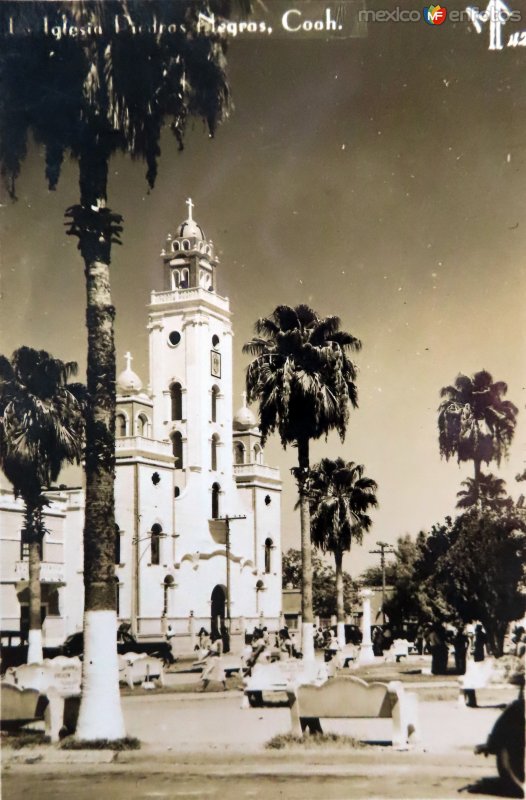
[
  {"x": 56, "y": 686},
  {"x": 353, "y": 698},
  {"x": 280, "y": 676},
  {"x": 140, "y": 668},
  {"x": 20, "y": 706}
]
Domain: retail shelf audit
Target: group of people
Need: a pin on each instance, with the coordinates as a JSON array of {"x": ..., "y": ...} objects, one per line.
[{"x": 464, "y": 640}]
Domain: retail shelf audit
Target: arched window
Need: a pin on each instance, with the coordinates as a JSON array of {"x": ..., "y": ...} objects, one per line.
[
  {"x": 215, "y": 500},
  {"x": 185, "y": 279},
  {"x": 186, "y": 244},
  {"x": 268, "y": 554},
  {"x": 175, "y": 279},
  {"x": 258, "y": 454},
  {"x": 213, "y": 410},
  {"x": 155, "y": 544},
  {"x": 239, "y": 453},
  {"x": 176, "y": 393},
  {"x": 215, "y": 440},
  {"x": 177, "y": 449},
  {"x": 120, "y": 425},
  {"x": 142, "y": 425},
  {"x": 117, "y": 544}
]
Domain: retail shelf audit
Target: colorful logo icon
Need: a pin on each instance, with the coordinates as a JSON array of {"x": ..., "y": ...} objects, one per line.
[{"x": 435, "y": 15}]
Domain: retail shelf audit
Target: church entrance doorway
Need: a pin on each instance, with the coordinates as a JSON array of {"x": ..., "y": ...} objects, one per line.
[{"x": 218, "y": 628}]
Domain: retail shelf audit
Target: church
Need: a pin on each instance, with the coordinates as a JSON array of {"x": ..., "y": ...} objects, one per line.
[{"x": 198, "y": 512}]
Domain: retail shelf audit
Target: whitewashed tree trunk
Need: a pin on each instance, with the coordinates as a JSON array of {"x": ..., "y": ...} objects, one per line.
[
  {"x": 307, "y": 641},
  {"x": 34, "y": 650},
  {"x": 100, "y": 715},
  {"x": 341, "y": 634}
]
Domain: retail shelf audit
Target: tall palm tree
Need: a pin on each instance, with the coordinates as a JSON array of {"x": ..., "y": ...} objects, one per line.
[
  {"x": 110, "y": 90},
  {"x": 488, "y": 494},
  {"x": 475, "y": 422},
  {"x": 340, "y": 497},
  {"x": 304, "y": 379},
  {"x": 41, "y": 428}
]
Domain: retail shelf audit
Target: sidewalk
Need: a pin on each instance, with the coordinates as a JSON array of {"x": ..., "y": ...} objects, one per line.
[{"x": 190, "y": 726}]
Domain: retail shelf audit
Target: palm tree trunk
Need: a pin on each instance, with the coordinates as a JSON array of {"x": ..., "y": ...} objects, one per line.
[
  {"x": 340, "y": 610},
  {"x": 307, "y": 643},
  {"x": 34, "y": 650},
  {"x": 477, "y": 482},
  {"x": 100, "y": 714}
]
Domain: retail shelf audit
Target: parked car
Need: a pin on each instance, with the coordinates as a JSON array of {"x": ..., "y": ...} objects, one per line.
[
  {"x": 74, "y": 646},
  {"x": 506, "y": 742}
]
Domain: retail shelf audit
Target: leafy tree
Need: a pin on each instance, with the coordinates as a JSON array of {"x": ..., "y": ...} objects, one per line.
[
  {"x": 340, "y": 497},
  {"x": 489, "y": 494},
  {"x": 304, "y": 379},
  {"x": 479, "y": 575},
  {"x": 372, "y": 576},
  {"x": 323, "y": 584},
  {"x": 90, "y": 97},
  {"x": 475, "y": 422},
  {"x": 402, "y": 604},
  {"x": 41, "y": 428}
]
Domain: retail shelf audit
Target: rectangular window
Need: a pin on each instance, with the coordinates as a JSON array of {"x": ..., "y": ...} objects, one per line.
[{"x": 24, "y": 546}]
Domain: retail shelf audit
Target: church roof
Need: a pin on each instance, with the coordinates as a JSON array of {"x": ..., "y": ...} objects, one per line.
[
  {"x": 128, "y": 382},
  {"x": 190, "y": 227},
  {"x": 244, "y": 419}
]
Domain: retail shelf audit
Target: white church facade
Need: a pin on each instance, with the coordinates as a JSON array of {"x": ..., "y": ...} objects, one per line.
[{"x": 198, "y": 512}]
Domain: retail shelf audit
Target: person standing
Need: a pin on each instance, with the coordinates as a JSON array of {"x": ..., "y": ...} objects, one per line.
[
  {"x": 439, "y": 649},
  {"x": 460, "y": 644},
  {"x": 169, "y": 637},
  {"x": 480, "y": 643}
]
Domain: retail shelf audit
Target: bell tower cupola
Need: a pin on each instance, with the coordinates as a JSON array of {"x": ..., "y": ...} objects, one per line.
[{"x": 188, "y": 257}]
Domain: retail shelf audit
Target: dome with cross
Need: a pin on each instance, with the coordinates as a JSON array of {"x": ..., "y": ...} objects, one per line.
[
  {"x": 190, "y": 228},
  {"x": 128, "y": 382},
  {"x": 244, "y": 419}
]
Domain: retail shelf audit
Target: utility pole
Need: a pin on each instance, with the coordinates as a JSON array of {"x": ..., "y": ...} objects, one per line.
[
  {"x": 227, "y": 520},
  {"x": 385, "y": 547}
]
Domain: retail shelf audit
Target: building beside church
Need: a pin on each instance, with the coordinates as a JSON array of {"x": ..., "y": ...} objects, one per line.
[{"x": 198, "y": 511}]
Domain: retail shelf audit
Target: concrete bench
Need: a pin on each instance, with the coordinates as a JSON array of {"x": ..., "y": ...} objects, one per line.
[
  {"x": 477, "y": 676},
  {"x": 353, "y": 698},
  {"x": 20, "y": 706},
  {"x": 280, "y": 676},
  {"x": 56, "y": 684},
  {"x": 140, "y": 668}
]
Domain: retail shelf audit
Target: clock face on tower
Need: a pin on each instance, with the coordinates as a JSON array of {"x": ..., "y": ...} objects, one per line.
[{"x": 215, "y": 364}]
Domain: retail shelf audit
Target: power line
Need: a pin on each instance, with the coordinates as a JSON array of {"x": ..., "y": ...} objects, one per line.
[{"x": 385, "y": 547}]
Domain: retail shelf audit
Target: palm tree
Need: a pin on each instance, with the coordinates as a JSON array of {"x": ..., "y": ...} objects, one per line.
[
  {"x": 303, "y": 378},
  {"x": 110, "y": 90},
  {"x": 41, "y": 428},
  {"x": 475, "y": 422},
  {"x": 340, "y": 496},
  {"x": 489, "y": 494}
]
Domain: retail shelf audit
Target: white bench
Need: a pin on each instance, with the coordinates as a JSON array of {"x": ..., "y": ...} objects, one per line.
[
  {"x": 280, "y": 676},
  {"x": 56, "y": 685},
  {"x": 353, "y": 698},
  {"x": 140, "y": 668}
]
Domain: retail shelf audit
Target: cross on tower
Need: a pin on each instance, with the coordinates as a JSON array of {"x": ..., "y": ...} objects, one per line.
[
  {"x": 129, "y": 358},
  {"x": 190, "y": 206},
  {"x": 244, "y": 396}
]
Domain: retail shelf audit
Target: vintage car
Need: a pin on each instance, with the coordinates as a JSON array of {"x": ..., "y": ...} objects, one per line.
[
  {"x": 126, "y": 643},
  {"x": 506, "y": 742}
]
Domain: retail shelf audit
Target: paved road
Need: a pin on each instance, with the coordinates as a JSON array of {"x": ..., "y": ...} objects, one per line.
[{"x": 144, "y": 784}]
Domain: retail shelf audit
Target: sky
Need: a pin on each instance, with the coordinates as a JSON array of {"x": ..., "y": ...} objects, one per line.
[{"x": 381, "y": 179}]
